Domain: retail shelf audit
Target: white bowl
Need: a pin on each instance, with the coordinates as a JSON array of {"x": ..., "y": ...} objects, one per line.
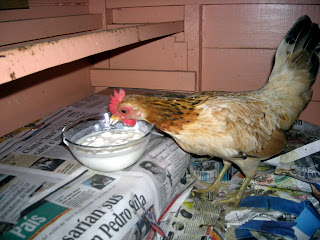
[{"x": 105, "y": 158}]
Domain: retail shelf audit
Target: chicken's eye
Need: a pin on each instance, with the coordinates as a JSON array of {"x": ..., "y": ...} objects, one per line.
[{"x": 124, "y": 111}]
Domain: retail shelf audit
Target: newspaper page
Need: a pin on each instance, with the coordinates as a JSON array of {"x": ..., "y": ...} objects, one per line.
[
  {"x": 92, "y": 206},
  {"x": 306, "y": 168},
  {"x": 87, "y": 194},
  {"x": 196, "y": 219},
  {"x": 303, "y": 140},
  {"x": 267, "y": 183},
  {"x": 27, "y": 178},
  {"x": 166, "y": 164}
]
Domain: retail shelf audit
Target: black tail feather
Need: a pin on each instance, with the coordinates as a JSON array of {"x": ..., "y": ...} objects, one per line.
[
  {"x": 305, "y": 34},
  {"x": 295, "y": 70}
]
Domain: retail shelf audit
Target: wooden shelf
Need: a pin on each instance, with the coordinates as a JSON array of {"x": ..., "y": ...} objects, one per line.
[
  {"x": 21, "y": 60},
  {"x": 41, "y": 28}
]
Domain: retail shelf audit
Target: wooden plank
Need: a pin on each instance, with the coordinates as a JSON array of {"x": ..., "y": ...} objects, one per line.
[
  {"x": 311, "y": 113},
  {"x": 31, "y": 29},
  {"x": 168, "y": 80},
  {"x": 148, "y": 14},
  {"x": 139, "y": 3},
  {"x": 179, "y": 36},
  {"x": 99, "y": 89},
  {"x": 37, "y": 95},
  {"x": 166, "y": 55},
  {"x": 42, "y": 12},
  {"x": 193, "y": 22},
  {"x": 240, "y": 70},
  {"x": 47, "y": 8},
  {"x": 58, "y": 2},
  {"x": 161, "y": 29},
  {"x": 99, "y": 7},
  {"x": 316, "y": 90},
  {"x": 30, "y": 58},
  {"x": 251, "y": 25},
  {"x": 9, "y": 4},
  {"x": 235, "y": 69}
]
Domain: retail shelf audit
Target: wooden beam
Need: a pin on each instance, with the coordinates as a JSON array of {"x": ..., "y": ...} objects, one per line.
[
  {"x": 147, "y": 14},
  {"x": 44, "y": 11},
  {"x": 168, "y": 80},
  {"x": 31, "y": 29},
  {"x": 26, "y": 59},
  {"x": 145, "y": 3},
  {"x": 192, "y": 32}
]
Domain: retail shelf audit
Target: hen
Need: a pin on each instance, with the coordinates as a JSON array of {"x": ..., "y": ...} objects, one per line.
[{"x": 240, "y": 127}]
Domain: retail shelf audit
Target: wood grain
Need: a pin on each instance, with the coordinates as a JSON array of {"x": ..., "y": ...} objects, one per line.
[
  {"x": 163, "y": 54},
  {"x": 138, "y": 3},
  {"x": 182, "y": 81},
  {"x": 33, "y": 29},
  {"x": 251, "y": 25},
  {"x": 148, "y": 14}
]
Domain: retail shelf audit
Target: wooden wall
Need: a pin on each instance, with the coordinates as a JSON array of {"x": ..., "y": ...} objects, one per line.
[{"x": 226, "y": 45}]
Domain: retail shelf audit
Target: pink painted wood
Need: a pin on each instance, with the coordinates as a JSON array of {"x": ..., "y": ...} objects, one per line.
[
  {"x": 235, "y": 69},
  {"x": 139, "y": 3},
  {"x": 37, "y": 95},
  {"x": 251, "y": 25},
  {"x": 173, "y": 80},
  {"x": 46, "y": 8},
  {"x": 167, "y": 54},
  {"x": 28, "y": 59},
  {"x": 148, "y": 14},
  {"x": 33, "y": 29}
]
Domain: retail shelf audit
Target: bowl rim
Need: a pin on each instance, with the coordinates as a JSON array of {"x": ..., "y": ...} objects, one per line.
[{"x": 113, "y": 147}]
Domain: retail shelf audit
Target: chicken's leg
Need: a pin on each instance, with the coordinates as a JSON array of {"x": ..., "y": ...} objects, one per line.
[
  {"x": 249, "y": 167},
  {"x": 238, "y": 196},
  {"x": 214, "y": 187}
]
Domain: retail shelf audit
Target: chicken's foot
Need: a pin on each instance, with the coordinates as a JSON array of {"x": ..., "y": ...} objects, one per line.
[
  {"x": 214, "y": 187},
  {"x": 236, "y": 198}
]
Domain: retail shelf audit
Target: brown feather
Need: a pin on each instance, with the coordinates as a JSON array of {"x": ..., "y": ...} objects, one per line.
[{"x": 212, "y": 123}]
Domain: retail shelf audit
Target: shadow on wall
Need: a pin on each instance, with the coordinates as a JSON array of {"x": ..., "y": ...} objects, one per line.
[{"x": 29, "y": 81}]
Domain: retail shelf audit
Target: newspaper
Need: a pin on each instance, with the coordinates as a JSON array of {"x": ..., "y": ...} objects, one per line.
[
  {"x": 46, "y": 193},
  {"x": 305, "y": 168},
  {"x": 303, "y": 141},
  {"x": 26, "y": 179},
  {"x": 298, "y": 166},
  {"x": 195, "y": 219}
]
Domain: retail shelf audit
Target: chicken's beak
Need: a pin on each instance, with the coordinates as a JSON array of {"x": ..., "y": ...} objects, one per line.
[{"x": 114, "y": 119}]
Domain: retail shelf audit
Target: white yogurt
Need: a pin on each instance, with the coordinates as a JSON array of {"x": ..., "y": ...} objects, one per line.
[
  {"x": 110, "y": 138},
  {"x": 111, "y": 159}
]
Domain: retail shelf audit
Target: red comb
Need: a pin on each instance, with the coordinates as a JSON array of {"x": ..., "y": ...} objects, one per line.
[{"x": 115, "y": 100}]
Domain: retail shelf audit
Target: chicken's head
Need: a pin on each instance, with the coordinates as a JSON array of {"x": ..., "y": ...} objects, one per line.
[{"x": 121, "y": 111}]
